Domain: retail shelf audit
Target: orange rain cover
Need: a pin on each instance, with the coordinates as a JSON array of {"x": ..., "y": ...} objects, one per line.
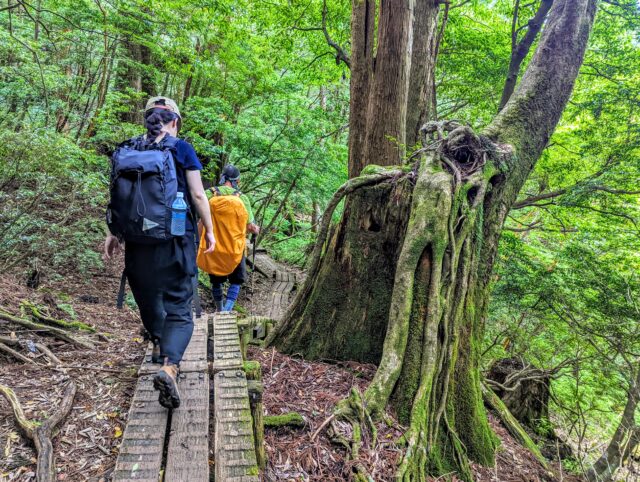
[{"x": 229, "y": 218}]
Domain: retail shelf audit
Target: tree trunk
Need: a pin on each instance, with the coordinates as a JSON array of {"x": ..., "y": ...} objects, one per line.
[
  {"x": 363, "y": 24},
  {"x": 419, "y": 261},
  {"x": 132, "y": 74},
  {"x": 423, "y": 61},
  {"x": 353, "y": 311},
  {"x": 624, "y": 441},
  {"x": 385, "y": 137}
]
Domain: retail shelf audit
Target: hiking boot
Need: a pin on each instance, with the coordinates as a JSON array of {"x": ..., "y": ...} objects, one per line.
[
  {"x": 166, "y": 382},
  {"x": 156, "y": 357}
]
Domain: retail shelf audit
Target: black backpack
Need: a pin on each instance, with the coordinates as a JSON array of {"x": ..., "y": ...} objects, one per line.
[{"x": 144, "y": 184}]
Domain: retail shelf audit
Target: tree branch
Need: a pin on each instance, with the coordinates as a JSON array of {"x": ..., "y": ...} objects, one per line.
[
  {"x": 340, "y": 53},
  {"x": 530, "y": 116},
  {"x": 519, "y": 50}
]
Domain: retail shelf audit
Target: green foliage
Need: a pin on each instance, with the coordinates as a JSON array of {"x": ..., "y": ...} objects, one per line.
[
  {"x": 51, "y": 192},
  {"x": 259, "y": 87}
]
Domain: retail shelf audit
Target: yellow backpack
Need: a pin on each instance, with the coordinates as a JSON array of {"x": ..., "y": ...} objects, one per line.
[{"x": 230, "y": 219}]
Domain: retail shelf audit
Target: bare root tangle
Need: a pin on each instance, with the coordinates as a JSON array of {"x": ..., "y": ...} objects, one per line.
[
  {"x": 41, "y": 433},
  {"x": 56, "y": 332}
]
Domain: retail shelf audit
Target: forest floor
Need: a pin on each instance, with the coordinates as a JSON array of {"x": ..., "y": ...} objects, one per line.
[{"x": 87, "y": 444}]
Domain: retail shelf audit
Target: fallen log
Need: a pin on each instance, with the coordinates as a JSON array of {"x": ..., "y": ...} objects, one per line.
[
  {"x": 291, "y": 419},
  {"x": 40, "y": 433}
]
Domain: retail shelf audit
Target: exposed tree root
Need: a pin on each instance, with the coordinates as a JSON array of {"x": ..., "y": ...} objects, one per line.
[
  {"x": 512, "y": 424},
  {"x": 19, "y": 356},
  {"x": 56, "y": 332},
  {"x": 41, "y": 433},
  {"x": 39, "y": 316},
  {"x": 42, "y": 348}
]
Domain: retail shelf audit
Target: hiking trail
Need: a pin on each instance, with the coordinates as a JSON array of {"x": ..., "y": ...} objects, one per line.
[{"x": 178, "y": 442}]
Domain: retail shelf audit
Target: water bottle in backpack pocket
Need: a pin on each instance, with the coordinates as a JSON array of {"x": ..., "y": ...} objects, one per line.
[
  {"x": 144, "y": 187},
  {"x": 178, "y": 215}
]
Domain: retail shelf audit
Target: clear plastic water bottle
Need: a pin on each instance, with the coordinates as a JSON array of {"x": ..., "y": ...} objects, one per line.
[{"x": 178, "y": 215}]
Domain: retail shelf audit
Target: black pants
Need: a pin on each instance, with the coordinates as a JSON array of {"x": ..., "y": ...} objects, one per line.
[{"x": 161, "y": 279}]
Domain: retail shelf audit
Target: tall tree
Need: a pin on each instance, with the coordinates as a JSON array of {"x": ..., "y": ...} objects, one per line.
[{"x": 413, "y": 257}]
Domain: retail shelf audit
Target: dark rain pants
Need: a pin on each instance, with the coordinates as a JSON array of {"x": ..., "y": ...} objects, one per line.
[{"x": 161, "y": 280}]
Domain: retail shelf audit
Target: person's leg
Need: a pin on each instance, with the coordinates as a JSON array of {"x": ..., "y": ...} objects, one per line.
[
  {"x": 236, "y": 279},
  {"x": 142, "y": 276},
  {"x": 217, "y": 292},
  {"x": 178, "y": 323},
  {"x": 232, "y": 296},
  {"x": 177, "y": 290}
]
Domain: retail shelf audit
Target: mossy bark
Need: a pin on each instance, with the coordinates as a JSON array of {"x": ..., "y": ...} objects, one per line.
[
  {"x": 420, "y": 305},
  {"x": 354, "y": 312}
]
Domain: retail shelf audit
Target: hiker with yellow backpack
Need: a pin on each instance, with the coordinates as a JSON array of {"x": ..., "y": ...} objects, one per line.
[{"x": 232, "y": 217}]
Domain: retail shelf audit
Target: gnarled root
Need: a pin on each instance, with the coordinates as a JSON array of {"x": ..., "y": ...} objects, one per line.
[
  {"x": 345, "y": 428},
  {"x": 41, "y": 433}
]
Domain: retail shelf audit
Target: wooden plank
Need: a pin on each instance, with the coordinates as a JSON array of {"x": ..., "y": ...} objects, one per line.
[
  {"x": 282, "y": 287},
  {"x": 234, "y": 444},
  {"x": 146, "y": 433},
  {"x": 235, "y": 457},
  {"x": 140, "y": 455},
  {"x": 188, "y": 451}
]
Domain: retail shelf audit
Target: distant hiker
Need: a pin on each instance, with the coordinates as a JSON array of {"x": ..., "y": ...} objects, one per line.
[
  {"x": 232, "y": 218},
  {"x": 155, "y": 188}
]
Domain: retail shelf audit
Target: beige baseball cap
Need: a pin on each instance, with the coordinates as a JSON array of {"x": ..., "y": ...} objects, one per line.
[{"x": 169, "y": 104}]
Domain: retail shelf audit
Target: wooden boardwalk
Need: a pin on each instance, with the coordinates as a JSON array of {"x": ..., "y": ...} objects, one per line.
[
  {"x": 234, "y": 443},
  {"x": 174, "y": 444},
  {"x": 282, "y": 288}
]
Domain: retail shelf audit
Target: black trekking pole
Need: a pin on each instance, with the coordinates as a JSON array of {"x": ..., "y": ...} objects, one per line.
[{"x": 196, "y": 297}]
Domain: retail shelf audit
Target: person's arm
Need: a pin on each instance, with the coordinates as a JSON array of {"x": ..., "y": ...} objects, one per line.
[{"x": 199, "y": 198}]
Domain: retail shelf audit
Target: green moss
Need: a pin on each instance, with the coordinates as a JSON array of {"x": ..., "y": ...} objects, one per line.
[
  {"x": 38, "y": 316},
  {"x": 291, "y": 419},
  {"x": 253, "y": 370}
]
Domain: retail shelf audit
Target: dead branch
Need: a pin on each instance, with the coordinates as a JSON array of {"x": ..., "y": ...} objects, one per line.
[{"x": 41, "y": 433}]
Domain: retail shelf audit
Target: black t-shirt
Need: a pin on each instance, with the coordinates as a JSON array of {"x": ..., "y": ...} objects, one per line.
[{"x": 186, "y": 160}]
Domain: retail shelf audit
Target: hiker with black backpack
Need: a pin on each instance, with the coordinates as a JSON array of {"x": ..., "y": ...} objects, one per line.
[
  {"x": 232, "y": 218},
  {"x": 155, "y": 189}
]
